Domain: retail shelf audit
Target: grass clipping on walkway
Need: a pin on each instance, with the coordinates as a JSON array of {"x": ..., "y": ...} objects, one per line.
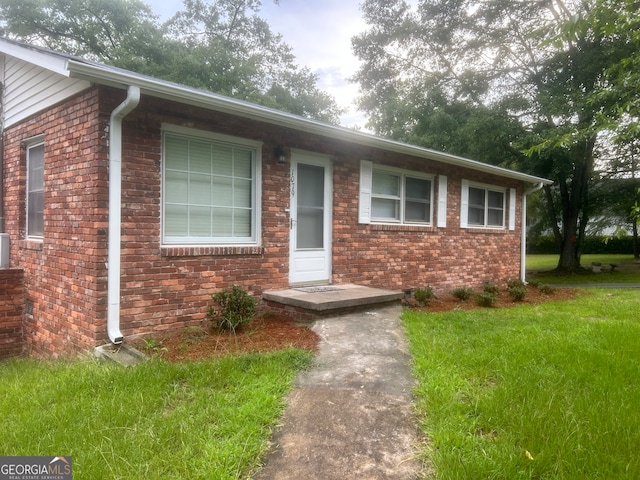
[
  {"x": 208, "y": 419},
  {"x": 544, "y": 391}
]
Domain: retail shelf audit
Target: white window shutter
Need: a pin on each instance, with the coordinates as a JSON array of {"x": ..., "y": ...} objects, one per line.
[
  {"x": 366, "y": 180},
  {"x": 464, "y": 204},
  {"x": 512, "y": 209},
  {"x": 442, "y": 201}
]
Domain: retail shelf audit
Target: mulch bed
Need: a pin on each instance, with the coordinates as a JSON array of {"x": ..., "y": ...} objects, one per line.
[
  {"x": 262, "y": 334},
  {"x": 534, "y": 296},
  {"x": 272, "y": 332}
]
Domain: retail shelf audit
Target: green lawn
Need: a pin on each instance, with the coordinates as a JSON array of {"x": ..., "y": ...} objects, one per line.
[
  {"x": 208, "y": 419},
  {"x": 545, "y": 391},
  {"x": 627, "y": 271}
]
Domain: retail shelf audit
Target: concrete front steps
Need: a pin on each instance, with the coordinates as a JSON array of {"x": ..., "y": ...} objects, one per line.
[{"x": 311, "y": 302}]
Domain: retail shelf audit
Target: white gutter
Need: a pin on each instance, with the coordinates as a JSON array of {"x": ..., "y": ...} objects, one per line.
[
  {"x": 115, "y": 214},
  {"x": 119, "y": 78},
  {"x": 523, "y": 248}
]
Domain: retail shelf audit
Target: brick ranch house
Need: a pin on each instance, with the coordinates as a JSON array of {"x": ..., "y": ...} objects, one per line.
[{"x": 127, "y": 201}]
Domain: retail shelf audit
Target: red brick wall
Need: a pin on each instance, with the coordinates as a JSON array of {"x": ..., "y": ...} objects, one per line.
[
  {"x": 398, "y": 257},
  {"x": 169, "y": 287},
  {"x": 162, "y": 287},
  {"x": 11, "y": 308},
  {"x": 65, "y": 273},
  {"x": 166, "y": 287}
]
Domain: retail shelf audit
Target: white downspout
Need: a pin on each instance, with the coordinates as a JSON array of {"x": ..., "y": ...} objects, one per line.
[
  {"x": 115, "y": 207},
  {"x": 523, "y": 248}
]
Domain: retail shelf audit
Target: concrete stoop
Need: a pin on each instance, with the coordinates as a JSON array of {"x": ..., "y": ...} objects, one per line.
[{"x": 323, "y": 300}]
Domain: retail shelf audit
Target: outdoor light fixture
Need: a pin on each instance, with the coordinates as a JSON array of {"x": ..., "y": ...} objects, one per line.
[{"x": 280, "y": 154}]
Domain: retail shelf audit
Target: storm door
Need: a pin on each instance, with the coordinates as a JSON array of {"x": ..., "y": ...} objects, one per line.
[{"x": 310, "y": 254}]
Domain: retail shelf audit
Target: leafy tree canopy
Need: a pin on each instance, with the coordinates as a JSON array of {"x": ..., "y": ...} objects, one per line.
[
  {"x": 217, "y": 45},
  {"x": 525, "y": 84}
]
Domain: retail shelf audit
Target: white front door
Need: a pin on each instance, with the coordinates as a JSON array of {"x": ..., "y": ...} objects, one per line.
[{"x": 310, "y": 255}]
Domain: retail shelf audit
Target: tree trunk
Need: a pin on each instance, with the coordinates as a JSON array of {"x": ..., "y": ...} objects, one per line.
[
  {"x": 635, "y": 219},
  {"x": 567, "y": 237},
  {"x": 569, "y": 248},
  {"x": 574, "y": 194},
  {"x": 569, "y": 255}
]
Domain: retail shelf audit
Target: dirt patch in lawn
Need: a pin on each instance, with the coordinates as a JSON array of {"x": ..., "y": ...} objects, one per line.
[{"x": 273, "y": 332}]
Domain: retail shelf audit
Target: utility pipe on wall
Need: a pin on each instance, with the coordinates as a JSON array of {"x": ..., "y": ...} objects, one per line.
[
  {"x": 523, "y": 248},
  {"x": 115, "y": 214},
  {"x": 4, "y": 237}
]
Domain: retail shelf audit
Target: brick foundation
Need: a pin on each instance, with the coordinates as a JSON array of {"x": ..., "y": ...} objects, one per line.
[{"x": 11, "y": 312}]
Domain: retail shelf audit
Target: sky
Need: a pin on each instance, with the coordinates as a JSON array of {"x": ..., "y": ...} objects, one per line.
[{"x": 319, "y": 32}]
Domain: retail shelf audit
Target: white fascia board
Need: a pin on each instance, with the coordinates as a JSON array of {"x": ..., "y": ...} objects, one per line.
[
  {"x": 49, "y": 61},
  {"x": 183, "y": 94}
]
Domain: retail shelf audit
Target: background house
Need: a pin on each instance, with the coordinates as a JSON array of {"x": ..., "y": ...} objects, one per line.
[{"x": 128, "y": 200}]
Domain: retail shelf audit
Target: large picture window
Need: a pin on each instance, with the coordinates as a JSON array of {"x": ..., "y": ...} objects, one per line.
[
  {"x": 210, "y": 190},
  {"x": 35, "y": 190},
  {"x": 400, "y": 197}
]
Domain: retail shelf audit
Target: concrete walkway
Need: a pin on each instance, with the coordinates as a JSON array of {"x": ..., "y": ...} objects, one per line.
[{"x": 351, "y": 416}]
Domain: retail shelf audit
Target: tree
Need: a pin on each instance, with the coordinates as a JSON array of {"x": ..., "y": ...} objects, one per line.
[
  {"x": 620, "y": 19},
  {"x": 635, "y": 215},
  {"x": 237, "y": 54},
  {"x": 123, "y": 33},
  {"x": 219, "y": 45},
  {"x": 619, "y": 184},
  {"x": 535, "y": 70},
  {"x": 622, "y": 102}
]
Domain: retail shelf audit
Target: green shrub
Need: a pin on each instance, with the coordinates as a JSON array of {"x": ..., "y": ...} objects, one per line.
[
  {"x": 598, "y": 244},
  {"x": 490, "y": 288},
  {"x": 514, "y": 282},
  {"x": 517, "y": 289},
  {"x": 422, "y": 295},
  {"x": 235, "y": 307},
  {"x": 486, "y": 299},
  {"x": 546, "y": 289},
  {"x": 533, "y": 283},
  {"x": 462, "y": 293},
  {"x": 518, "y": 293}
]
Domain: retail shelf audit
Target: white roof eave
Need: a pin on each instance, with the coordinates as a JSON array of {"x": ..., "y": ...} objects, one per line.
[
  {"x": 50, "y": 61},
  {"x": 200, "y": 98}
]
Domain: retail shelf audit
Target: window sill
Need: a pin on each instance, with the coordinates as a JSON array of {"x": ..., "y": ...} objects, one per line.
[
  {"x": 496, "y": 231},
  {"x": 31, "y": 244},
  {"x": 217, "y": 251},
  {"x": 389, "y": 227}
]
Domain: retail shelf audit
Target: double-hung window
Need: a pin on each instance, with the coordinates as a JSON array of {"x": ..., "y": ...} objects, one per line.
[
  {"x": 210, "y": 189},
  {"x": 35, "y": 190},
  {"x": 396, "y": 196},
  {"x": 483, "y": 206}
]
